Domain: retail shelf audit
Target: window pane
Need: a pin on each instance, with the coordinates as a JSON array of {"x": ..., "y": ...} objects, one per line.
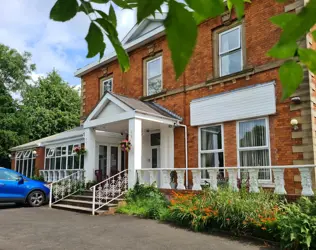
[
  {"x": 154, "y": 85},
  {"x": 70, "y": 162},
  {"x": 76, "y": 162},
  {"x": 230, "y": 41},
  {"x": 211, "y": 138},
  {"x": 58, "y": 151},
  {"x": 252, "y": 133},
  {"x": 64, "y": 150},
  {"x": 70, "y": 149},
  {"x": 209, "y": 160},
  {"x": 58, "y": 163},
  {"x": 107, "y": 85},
  {"x": 255, "y": 158},
  {"x": 155, "y": 139},
  {"x": 231, "y": 63},
  {"x": 52, "y": 164},
  {"x": 63, "y": 162},
  {"x": 154, "y": 68},
  {"x": 81, "y": 161},
  {"x": 47, "y": 164},
  {"x": 29, "y": 168}
]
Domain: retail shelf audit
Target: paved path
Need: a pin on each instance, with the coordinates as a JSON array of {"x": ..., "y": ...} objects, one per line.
[{"x": 44, "y": 228}]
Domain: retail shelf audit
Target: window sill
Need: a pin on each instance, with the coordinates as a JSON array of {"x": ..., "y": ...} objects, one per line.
[
  {"x": 231, "y": 77},
  {"x": 268, "y": 184},
  {"x": 151, "y": 97}
]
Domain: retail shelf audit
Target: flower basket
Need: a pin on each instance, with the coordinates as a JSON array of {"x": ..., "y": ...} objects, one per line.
[
  {"x": 79, "y": 150},
  {"x": 126, "y": 145}
]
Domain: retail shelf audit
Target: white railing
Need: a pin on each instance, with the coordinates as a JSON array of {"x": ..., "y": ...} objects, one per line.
[
  {"x": 55, "y": 175},
  {"x": 67, "y": 186},
  {"x": 109, "y": 190},
  {"x": 232, "y": 176}
]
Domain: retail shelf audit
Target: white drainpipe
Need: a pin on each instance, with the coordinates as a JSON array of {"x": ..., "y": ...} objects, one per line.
[{"x": 186, "y": 152}]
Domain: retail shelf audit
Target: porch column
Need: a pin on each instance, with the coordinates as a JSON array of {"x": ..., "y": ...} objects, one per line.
[
  {"x": 135, "y": 154},
  {"x": 90, "y": 163}
]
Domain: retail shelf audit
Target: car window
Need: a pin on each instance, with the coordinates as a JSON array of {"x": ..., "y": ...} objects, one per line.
[{"x": 8, "y": 175}]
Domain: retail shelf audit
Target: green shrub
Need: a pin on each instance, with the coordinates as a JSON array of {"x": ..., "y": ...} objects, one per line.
[
  {"x": 239, "y": 213},
  {"x": 297, "y": 225},
  {"x": 38, "y": 178},
  {"x": 145, "y": 201}
]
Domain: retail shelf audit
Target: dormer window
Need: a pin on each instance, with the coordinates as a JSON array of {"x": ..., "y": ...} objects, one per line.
[
  {"x": 106, "y": 85},
  {"x": 153, "y": 75}
]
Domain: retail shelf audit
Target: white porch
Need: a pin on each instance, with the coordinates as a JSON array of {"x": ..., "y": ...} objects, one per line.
[{"x": 150, "y": 130}]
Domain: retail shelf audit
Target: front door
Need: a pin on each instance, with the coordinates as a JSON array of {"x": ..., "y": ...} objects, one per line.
[
  {"x": 155, "y": 157},
  {"x": 109, "y": 161}
]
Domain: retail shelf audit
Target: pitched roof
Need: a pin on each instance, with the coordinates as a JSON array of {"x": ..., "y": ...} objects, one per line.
[
  {"x": 136, "y": 37},
  {"x": 146, "y": 107}
]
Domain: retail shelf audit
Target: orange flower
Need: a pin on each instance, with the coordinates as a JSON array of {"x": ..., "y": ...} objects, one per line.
[{"x": 263, "y": 228}]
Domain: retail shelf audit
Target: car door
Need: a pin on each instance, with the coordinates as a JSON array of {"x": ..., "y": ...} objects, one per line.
[{"x": 11, "y": 188}]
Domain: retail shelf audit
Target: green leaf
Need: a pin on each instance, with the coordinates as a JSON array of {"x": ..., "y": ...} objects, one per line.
[
  {"x": 308, "y": 57},
  {"x": 86, "y": 7},
  {"x": 291, "y": 76},
  {"x": 181, "y": 43},
  {"x": 207, "y": 8},
  {"x": 95, "y": 41},
  {"x": 308, "y": 240},
  {"x": 100, "y": 1},
  {"x": 64, "y": 10},
  {"x": 146, "y": 8},
  {"x": 229, "y": 5},
  {"x": 314, "y": 35},
  {"x": 283, "y": 51},
  {"x": 112, "y": 16},
  {"x": 300, "y": 25},
  {"x": 122, "y": 56},
  {"x": 283, "y": 19},
  {"x": 102, "y": 14},
  {"x": 239, "y": 7}
]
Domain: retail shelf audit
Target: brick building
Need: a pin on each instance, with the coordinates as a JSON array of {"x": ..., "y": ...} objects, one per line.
[{"x": 225, "y": 110}]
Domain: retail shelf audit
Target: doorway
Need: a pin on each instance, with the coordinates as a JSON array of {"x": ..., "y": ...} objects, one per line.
[{"x": 109, "y": 161}]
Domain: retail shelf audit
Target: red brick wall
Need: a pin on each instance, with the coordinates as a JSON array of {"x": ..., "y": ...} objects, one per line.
[
  {"x": 40, "y": 159},
  {"x": 260, "y": 36}
]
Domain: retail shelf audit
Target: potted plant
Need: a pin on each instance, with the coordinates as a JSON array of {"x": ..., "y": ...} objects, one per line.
[
  {"x": 79, "y": 150},
  {"x": 173, "y": 179},
  {"x": 126, "y": 145}
]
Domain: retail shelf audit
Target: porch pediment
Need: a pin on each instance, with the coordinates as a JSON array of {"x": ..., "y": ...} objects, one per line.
[{"x": 114, "y": 108}]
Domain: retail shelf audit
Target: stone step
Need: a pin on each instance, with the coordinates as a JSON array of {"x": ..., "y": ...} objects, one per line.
[
  {"x": 77, "y": 208},
  {"x": 83, "y": 203},
  {"x": 89, "y": 198}
]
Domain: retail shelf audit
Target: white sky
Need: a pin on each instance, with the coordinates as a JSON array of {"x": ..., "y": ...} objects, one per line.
[{"x": 25, "y": 26}]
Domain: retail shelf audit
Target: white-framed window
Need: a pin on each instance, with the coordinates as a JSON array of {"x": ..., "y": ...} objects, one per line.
[
  {"x": 230, "y": 51},
  {"x": 63, "y": 157},
  {"x": 106, "y": 85},
  {"x": 154, "y": 75},
  {"x": 253, "y": 144},
  {"x": 211, "y": 148},
  {"x": 25, "y": 163}
]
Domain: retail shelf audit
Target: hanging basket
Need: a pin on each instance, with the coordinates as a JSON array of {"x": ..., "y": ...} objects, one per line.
[
  {"x": 80, "y": 150},
  {"x": 126, "y": 145}
]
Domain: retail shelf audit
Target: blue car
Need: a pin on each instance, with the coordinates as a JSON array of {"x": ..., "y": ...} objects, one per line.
[{"x": 17, "y": 188}]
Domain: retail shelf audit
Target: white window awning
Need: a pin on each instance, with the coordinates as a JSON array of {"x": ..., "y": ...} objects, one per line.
[{"x": 253, "y": 101}]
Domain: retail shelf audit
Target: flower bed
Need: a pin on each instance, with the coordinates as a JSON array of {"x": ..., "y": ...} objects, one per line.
[{"x": 263, "y": 215}]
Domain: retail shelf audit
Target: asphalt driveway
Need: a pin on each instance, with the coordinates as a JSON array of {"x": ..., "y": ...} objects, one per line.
[{"x": 44, "y": 228}]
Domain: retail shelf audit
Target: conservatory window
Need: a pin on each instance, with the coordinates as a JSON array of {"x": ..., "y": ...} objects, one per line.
[
  {"x": 25, "y": 163},
  {"x": 65, "y": 158}
]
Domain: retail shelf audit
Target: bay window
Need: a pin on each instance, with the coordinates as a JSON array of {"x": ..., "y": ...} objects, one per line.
[
  {"x": 211, "y": 149},
  {"x": 254, "y": 146}
]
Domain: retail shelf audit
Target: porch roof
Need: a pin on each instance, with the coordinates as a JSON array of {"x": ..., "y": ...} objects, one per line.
[{"x": 113, "y": 108}]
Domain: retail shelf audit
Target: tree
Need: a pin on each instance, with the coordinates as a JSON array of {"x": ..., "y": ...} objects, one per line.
[
  {"x": 186, "y": 16},
  {"x": 50, "y": 106},
  {"x": 11, "y": 126},
  {"x": 15, "y": 69}
]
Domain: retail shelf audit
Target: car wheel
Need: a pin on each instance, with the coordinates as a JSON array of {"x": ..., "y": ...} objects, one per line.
[{"x": 36, "y": 198}]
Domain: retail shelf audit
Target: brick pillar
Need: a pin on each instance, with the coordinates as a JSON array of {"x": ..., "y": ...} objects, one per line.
[
  {"x": 13, "y": 160},
  {"x": 40, "y": 160}
]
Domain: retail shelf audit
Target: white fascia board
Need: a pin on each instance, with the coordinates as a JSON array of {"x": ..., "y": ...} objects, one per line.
[
  {"x": 155, "y": 118},
  {"x": 106, "y": 120},
  {"x": 128, "y": 47}
]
